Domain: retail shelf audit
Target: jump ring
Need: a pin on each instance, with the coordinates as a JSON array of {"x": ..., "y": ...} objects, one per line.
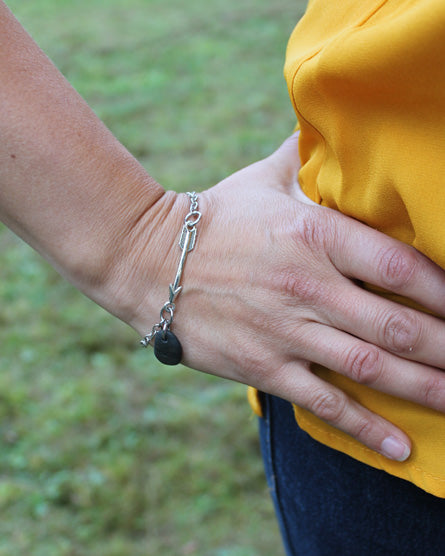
[
  {"x": 192, "y": 214},
  {"x": 169, "y": 308}
]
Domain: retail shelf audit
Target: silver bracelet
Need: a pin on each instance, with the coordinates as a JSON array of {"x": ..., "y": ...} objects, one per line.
[{"x": 167, "y": 347}]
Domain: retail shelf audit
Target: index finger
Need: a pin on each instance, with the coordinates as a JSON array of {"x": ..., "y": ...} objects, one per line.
[{"x": 362, "y": 253}]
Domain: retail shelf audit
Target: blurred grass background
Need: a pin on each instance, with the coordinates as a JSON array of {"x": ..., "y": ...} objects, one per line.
[{"x": 102, "y": 450}]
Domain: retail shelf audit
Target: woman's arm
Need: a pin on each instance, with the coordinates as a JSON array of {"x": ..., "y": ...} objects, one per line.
[
  {"x": 68, "y": 187},
  {"x": 268, "y": 289}
]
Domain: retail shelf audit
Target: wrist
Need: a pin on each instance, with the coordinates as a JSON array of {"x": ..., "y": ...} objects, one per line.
[
  {"x": 98, "y": 229},
  {"x": 145, "y": 263},
  {"x": 167, "y": 347}
]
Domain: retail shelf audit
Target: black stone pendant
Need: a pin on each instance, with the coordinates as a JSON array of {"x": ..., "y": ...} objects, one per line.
[{"x": 167, "y": 348}]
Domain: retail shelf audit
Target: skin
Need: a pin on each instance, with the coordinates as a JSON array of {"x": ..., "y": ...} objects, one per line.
[{"x": 270, "y": 287}]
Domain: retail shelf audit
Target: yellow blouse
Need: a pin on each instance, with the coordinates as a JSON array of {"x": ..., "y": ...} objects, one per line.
[{"x": 367, "y": 81}]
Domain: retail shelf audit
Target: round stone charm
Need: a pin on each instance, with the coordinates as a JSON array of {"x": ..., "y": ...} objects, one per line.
[{"x": 167, "y": 348}]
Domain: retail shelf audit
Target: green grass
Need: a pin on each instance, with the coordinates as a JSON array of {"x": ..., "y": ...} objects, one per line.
[{"x": 104, "y": 452}]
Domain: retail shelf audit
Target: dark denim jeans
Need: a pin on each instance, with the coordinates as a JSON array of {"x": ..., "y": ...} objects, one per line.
[{"x": 329, "y": 504}]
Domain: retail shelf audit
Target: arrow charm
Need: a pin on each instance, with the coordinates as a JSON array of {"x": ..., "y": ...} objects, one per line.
[{"x": 186, "y": 243}]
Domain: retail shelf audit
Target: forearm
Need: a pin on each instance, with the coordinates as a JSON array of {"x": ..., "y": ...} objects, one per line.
[{"x": 67, "y": 186}]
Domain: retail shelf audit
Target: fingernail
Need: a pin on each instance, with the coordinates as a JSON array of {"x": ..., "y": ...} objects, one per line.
[{"x": 394, "y": 448}]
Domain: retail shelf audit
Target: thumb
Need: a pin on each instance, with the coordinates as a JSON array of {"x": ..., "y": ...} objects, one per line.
[{"x": 286, "y": 159}]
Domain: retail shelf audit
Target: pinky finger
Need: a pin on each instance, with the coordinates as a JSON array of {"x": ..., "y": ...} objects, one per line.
[{"x": 335, "y": 408}]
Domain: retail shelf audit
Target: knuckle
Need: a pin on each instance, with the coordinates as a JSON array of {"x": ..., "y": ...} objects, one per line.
[
  {"x": 251, "y": 364},
  {"x": 402, "y": 331},
  {"x": 363, "y": 430},
  {"x": 363, "y": 364},
  {"x": 310, "y": 231},
  {"x": 296, "y": 285},
  {"x": 431, "y": 392},
  {"x": 396, "y": 267},
  {"x": 303, "y": 288},
  {"x": 329, "y": 406}
]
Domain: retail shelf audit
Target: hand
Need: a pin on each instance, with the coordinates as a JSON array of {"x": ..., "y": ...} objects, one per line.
[{"x": 269, "y": 289}]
